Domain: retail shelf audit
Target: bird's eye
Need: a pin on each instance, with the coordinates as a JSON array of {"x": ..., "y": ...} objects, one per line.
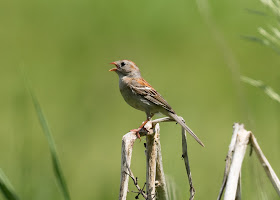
[{"x": 122, "y": 64}]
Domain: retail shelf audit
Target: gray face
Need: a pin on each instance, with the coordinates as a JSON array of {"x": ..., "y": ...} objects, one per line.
[{"x": 126, "y": 68}]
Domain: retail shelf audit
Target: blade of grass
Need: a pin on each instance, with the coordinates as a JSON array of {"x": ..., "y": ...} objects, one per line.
[
  {"x": 256, "y": 12},
  {"x": 55, "y": 162},
  {"x": 274, "y": 40},
  {"x": 268, "y": 90},
  {"x": 7, "y": 188},
  {"x": 264, "y": 42}
]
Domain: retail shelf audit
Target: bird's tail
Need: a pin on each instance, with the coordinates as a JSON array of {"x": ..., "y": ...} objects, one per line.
[{"x": 180, "y": 121}]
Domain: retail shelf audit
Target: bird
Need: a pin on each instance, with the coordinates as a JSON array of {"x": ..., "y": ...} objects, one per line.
[{"x": 139, "y": 94}]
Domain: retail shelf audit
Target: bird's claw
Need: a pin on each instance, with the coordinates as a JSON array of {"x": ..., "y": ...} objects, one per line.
[{"x": 137, "y": 132}]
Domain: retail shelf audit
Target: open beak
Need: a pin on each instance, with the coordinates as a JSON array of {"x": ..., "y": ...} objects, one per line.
[{"x": 113, "y": 69}]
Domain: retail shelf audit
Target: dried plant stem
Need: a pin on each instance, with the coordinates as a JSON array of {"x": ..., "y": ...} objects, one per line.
[
  {"x": 238, "y": 191},
  {"x": 264, "y": 162},
  {"x": 237, "y": 149},
  {"x": 161, "y": 188},
  {"x": 155, "y": 180},
  {"x": 184, "y": 154},
  {"x": 154, "y": 164},
  {"x": 127, "y": 145},
  {"x": 186, "y": 160},
  {"x": 140, "y": 190},
  {"x": 164, "y": 119},
  {"x": 229, "y": 158},
  {"x": 242, "y": 141},
  {"x": 151, "y": 153}
]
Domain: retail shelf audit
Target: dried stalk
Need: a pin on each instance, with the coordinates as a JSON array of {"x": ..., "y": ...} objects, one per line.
[
  {"x": 151, "y": 153},
  {"x": 238, "y": 191},
  {"x": 186, "y": 160},
  {"x": 140, "y": 190},
  {"x": 236, "y": 127},
  {"x": 184, "y": 153},
  {"x": 127, "y": 145},
  {"x": 163, "y": 119},
  {"x": 232, "y": 175},
  {"x": 156, "y": 184},
  {"x": 264, "y": 162},
  {"x": 242, "y": 141},
  {"x": 161, "y": 188}
]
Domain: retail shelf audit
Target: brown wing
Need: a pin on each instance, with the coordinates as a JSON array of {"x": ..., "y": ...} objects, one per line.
[{"x": 143, "y": 88}]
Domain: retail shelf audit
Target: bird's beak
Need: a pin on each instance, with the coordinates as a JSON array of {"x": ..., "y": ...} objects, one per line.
[{"x": 113, "y": 69}]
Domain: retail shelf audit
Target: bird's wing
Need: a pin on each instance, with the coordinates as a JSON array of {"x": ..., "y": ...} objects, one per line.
[{"x": 143, "y": 88}]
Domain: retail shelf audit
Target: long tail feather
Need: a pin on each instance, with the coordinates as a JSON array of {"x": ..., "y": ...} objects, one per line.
[{"x": 177, "y": 119}]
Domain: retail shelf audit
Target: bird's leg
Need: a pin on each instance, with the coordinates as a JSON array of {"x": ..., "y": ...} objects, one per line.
[{"x": 138, "y": 129}]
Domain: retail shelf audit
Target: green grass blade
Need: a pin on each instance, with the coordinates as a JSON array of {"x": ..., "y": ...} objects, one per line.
[
  {"x": 268, "y": 90},
  {"x": 55, "y": 162},
  {"x": 264, "y": 42},
  {"x": 256, "y": 12},
  {"x": 7, "y": 188}
]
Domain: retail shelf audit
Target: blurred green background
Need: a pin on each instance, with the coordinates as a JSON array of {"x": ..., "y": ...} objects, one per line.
[{"x": 65, "y": 47}]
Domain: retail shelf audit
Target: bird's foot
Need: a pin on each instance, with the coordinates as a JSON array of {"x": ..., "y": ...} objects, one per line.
[{"x": 137, "y": 132}]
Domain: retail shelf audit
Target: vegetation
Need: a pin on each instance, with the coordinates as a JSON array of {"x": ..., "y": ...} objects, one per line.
[{"x": 65, "y": 48}]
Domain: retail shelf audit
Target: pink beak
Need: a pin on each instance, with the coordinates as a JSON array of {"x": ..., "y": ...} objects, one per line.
[{"x": 113, "y": 69}]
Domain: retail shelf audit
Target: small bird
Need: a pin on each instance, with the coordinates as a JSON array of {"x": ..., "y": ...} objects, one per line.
[{"x": 139, "y": 94}]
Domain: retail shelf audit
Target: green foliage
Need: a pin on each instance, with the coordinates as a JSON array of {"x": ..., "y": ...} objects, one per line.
[
  {"x": 55, "y": 162},
  {"x": 7, "y": 188},
  {"x": 268, "y": 90},
  {"x": 270, "y": 37},
  {"x": 66, "y": 46}
]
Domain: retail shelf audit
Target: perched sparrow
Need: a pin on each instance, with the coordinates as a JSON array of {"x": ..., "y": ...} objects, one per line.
[{"x": 139, "y": 94}]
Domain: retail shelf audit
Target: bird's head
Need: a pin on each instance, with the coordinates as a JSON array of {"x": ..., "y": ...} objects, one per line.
[{"x": 126, "y": 68}]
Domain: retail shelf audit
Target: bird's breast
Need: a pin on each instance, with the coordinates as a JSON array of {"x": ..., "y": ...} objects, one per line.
[{"x": 132, "y": 98}]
